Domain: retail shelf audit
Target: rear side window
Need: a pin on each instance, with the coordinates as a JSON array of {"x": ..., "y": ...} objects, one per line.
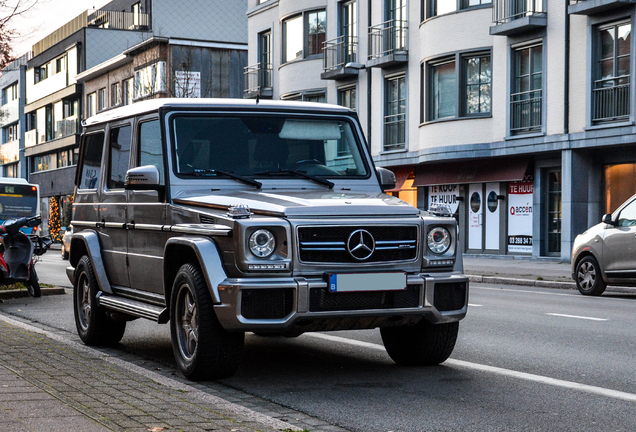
[
  {"x": 92, "y": 160},
  {"x": 120, "y": 138}
]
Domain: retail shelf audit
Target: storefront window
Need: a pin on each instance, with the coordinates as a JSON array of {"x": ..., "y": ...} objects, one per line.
[
  {"x": 620, "y": 184},
  {"x": 554, "y": 212}
]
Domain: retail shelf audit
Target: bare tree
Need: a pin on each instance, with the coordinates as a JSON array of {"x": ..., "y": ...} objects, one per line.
[{"x": 9, "y": 9}]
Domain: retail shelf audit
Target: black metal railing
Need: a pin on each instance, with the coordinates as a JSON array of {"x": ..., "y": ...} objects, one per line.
[
  {"x": 526, "y": 111},
  {"x": 339, "y": 51},
  {"x": 504, "y": 11},
  {"x": 395, "y": 132},
  {"x": 387, "y": 38},
  {"x": 258, "y": 77},
  {"x": 611, "y": 100},
  {"x": 117, "y": 19}
]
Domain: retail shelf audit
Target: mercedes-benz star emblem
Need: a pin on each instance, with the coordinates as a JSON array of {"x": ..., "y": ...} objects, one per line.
[{"x": 361, "y": 244}]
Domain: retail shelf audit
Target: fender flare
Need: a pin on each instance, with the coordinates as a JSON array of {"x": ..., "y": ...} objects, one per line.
[
  {"x": 93, "y": 248},
  {"x": 208, "y": 257}
]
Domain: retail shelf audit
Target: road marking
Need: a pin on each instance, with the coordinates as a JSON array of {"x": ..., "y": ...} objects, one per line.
[
  {"x": 496, "y": 370},
  {"x": 474, "y": 305},
  {"x": 577, "y": 317}
]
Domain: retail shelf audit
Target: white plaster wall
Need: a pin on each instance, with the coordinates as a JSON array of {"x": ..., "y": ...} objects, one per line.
[
  {"x": 554, "y": 49},
  {"x": 579, "y": 72}
]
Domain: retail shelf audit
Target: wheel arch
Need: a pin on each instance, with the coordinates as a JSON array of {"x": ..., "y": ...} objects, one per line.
[
  {"x": 201, "y": 250},
  {"x": 87, "y": 243},
  {"x": 586, "y": 253}
]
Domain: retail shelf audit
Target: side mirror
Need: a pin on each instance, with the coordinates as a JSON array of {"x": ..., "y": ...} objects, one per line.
[
  {"x": 607, "y": 219},
  {"x": 143, "y": 178},
  {"x": 386, "y": 177}
]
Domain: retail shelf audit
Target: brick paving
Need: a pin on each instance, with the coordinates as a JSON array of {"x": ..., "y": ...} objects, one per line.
[{"x": 48, "y": 385}]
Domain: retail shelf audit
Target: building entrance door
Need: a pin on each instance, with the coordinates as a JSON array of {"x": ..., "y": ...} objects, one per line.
[{"x": 484, "y": 217}]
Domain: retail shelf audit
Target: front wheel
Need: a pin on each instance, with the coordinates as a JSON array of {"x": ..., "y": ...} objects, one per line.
[
  {"x": 94, "y": 326},
  {"x": 33, "y": 284},
  {"x": 422, "y": 344},
  {"x": 589, "y": 280},
  {"x": 202, "y": 348}
]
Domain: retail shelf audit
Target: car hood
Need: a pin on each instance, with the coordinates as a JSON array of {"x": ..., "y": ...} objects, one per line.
[{"x": 304, "y": 203}]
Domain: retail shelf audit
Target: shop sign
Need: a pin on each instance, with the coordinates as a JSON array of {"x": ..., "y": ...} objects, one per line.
[
  {"x": 187, "y": 84},
  {"x": 520, "y": 215},
  {"x": 445, "y": 194}
]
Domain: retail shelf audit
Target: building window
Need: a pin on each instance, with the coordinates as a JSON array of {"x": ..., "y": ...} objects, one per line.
[
  {"x": 91, "y": 104},
  {"x": 128, "y": 91},
  {"x": 150, "y": 80},
  {"x": 440, "y": 7},
  {"x": 10, "y": 93},
  {"x": 44, "y": 162},
  {"x": 295, "y": 45},
  {"x": 478, "y": 84},
  {"x": 10, "y": 133},
  {"x": 554, "y": 212},
  {"x": 611, "y": 91},
  {"x": 115, "y": 94},
  {"x": 443, "y": 89},
  {"x": 474, "y": 86},
  {"x": 136, "y": 12},
  {"x": 102, "y": 99},
  {"x": 12, "y": 170},
  {"x": 347, "y": 97},
  {"x": 526, "y": 101},
  {"x": 265, "y": 59},
  {"x": 314, "y": 95},
  {"x": 395, "y": 113}
]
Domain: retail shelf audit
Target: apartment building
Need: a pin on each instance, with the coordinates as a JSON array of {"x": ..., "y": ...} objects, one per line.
[
  {"x": 55, "y": 97},
  {"x": 518, "y": 114},
  {"x": 12, "y": 92}
]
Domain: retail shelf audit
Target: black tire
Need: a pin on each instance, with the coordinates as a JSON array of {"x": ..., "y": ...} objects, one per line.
[
  {"x": 423, "y": 344},
  {"x": 94, "y": 326},
  {"x": 588, "y": 277},
  {"x": 202, "y": 348},
  {"x": 33, "y": 284}
]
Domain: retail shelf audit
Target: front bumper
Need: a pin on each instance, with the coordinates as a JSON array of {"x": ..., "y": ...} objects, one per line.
[{"x": 294, "y": 304}]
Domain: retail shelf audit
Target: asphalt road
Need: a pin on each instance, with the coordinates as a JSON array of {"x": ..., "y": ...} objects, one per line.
[{"x": 526, "y": 359}]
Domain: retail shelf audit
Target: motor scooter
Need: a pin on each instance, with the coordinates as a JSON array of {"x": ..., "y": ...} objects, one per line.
[{"x": 19, "y": 253}]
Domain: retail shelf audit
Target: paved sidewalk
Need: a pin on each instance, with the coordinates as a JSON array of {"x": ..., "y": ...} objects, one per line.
[{"x": 53, "y": 385}]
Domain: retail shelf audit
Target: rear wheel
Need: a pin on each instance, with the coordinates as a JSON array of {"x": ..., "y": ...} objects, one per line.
[
  {"x": 589, "y": 280},
  {"x": 33, "y": 284},
  {"x": 422, "y": 344},
  {"x": 94, "y": 326},
  {"x": 202, "y": 348}
]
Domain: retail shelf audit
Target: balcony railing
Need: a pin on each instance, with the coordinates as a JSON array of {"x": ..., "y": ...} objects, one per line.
[
  {"x": 117, "y": 19},
  {"x": 395, "y": 132},
  {"x": 10, "y": 152},
  {"x": 387, "y": 38},
  {"x": 31, "y": 138},
  {"x": 66, "y": 127},
  {"x": 504, "y": 11},
  {"x": 258, "y": 79},
  {"x": 526, "y": 111},
  {"x": 611, "y": 100},
  {"x": 338, "y": 52}
]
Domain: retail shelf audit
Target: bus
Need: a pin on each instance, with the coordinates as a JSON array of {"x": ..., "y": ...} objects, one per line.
[{"x": 18, "y": 198}]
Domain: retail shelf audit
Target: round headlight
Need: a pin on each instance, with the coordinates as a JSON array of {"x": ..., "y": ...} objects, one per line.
[
  {"x": 262, "y": 243},
  {"x": 438, "y": 240}
]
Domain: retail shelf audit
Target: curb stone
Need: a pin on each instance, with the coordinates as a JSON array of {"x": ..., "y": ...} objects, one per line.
[{"x": 20, "y": 293}]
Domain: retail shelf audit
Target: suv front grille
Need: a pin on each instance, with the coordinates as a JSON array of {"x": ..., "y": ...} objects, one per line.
[
  {"x": 267, "y": 303},
  {"x": 449, "y": 296},
  {"x": 328, "y": 244},
  {"x": 321, "y": 300}
]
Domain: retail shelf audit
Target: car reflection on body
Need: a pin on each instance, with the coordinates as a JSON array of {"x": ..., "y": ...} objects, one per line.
[{"x": 66, "y": 242}]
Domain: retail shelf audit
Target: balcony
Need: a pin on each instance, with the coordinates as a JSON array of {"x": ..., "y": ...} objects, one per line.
[
  {"x": 30, "y": 138},
  {"x": 339, "y": 58},
  {"x": 117, "y": 20},
  {"x": 66, "y": 127},
  {"x": 10, "y": 152},
  {"x": 526, "y": 112},
  {"x": 387, "y": 44},
  {"x": 512, "y": 17},
  {"x": 611, "y": 100},
  {"x": 258, "y": 81},
  {"x": 9, "y": 112},
  {"x": 592, "y": 7}
]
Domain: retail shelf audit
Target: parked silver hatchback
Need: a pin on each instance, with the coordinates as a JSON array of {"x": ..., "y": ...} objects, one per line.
[
  {"x": 229, "y": 216},
  {"x": 605, "y": 254}
]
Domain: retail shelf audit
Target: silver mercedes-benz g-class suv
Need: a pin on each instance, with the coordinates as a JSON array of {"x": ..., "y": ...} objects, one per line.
[{"x": 229, "y": 216}]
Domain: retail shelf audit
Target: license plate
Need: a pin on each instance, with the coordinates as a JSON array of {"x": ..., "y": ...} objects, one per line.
[{"x": 357, "y": 282}]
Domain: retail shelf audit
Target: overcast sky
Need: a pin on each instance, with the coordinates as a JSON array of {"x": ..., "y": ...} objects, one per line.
[{"x": 45, "y": 17}]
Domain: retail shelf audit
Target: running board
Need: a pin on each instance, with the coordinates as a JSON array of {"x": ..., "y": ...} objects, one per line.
[{"x": 133, "y": 307}]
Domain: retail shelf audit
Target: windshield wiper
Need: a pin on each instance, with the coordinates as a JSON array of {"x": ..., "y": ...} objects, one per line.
[
  {"x": 319, "y": 180},
  {"x": 249, "y": 181}
]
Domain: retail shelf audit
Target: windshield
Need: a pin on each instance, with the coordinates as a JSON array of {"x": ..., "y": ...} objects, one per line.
[
  {"x": 265, "y": 146},
  {"x": 17, "y": 200}
]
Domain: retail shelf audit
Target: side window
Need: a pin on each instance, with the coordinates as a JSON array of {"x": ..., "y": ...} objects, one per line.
[
  {"x": 628, "y": 215},
  {"x": 92, "y": 160},
  {"x": 150, "y": 149},
  {"x": 119, "y": 143}
]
